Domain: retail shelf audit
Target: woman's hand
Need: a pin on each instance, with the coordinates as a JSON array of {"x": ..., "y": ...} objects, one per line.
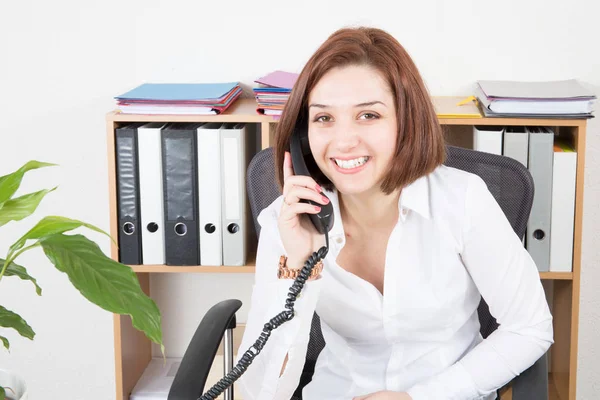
[
  {"x": 300, "y": 238},
  {"x": 385, "y": 395}
]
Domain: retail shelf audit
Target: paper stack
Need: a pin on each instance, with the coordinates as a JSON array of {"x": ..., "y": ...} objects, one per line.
[
  {"x": 273, "y": 92},
  {"x": 550, "y": 99},
  {"x": 158, "y": 377},
  {"x": 179, "y": 98}
]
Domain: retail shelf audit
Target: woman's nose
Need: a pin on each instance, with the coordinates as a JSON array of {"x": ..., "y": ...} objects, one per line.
[{"x": 346, "y": 137}]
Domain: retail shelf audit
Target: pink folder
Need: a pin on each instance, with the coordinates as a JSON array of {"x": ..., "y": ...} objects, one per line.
[{"x": 280, "y": 79}]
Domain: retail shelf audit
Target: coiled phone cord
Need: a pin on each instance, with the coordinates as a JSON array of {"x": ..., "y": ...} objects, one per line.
[{"x": 274, "y": 323}]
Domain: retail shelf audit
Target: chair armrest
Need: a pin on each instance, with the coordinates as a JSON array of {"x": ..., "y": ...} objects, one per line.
[
  {"x": 532, "y": 384},
  {"x": 191, "y": 376}
]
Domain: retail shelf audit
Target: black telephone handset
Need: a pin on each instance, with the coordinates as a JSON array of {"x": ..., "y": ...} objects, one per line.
[
  {"x": 323, "y": 222},
  {"x": 300, "y": 150}
]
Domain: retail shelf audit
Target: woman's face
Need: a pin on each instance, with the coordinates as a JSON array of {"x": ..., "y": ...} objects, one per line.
[{"x": 352, "y": 128}]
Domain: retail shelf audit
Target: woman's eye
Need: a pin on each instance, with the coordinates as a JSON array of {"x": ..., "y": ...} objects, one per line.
[
  {"x": 322, "y": 118},
  {"x": 369, "y": 116}
]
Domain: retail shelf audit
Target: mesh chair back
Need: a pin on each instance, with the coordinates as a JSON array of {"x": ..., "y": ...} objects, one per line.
[
  {"x": 511, "y": 185},
  {"x": 508, "y": 180}
]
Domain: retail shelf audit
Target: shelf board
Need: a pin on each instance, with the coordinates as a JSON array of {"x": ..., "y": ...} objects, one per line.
[
  {"x": 217, "y": 269},
  {"x": 565, "y": 276},
  {"x": 250, "y": 268},
  {"x": 222, "y": 269},
  {"x": 244, "y": 110}
]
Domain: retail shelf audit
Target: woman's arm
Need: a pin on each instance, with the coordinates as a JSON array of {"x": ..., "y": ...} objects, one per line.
[
  {"x": 509, "y": 281},
  {"x": 275, "y": 372}
]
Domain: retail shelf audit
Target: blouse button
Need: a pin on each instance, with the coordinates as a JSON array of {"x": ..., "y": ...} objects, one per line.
[
  {"x": 339, "y": 240},
  {"x": 404, "y": 212}
]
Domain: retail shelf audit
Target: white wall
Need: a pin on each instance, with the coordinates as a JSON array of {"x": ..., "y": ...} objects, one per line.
[{"x": 61, "y": 63}]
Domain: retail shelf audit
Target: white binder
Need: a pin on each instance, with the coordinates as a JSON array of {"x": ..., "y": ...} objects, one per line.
[
  {"x": 541, "y": 152},
  {"x": 516, "y": 144},
  {"x": 233, "y": 193},
  {"x": 151, "y": 193},
  {"x": 209, "y": 194},
  {"x": 488, "y": 139},
  {"x": 563, "y": 207}
]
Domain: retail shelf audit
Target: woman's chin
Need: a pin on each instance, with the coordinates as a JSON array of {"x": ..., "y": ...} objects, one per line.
[
  {"x": 353, "y": 183},
  {"x": 352, "y": 187}
]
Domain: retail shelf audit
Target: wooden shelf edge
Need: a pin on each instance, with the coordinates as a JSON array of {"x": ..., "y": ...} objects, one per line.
[
  {"x": 552, "y": 391},
  {"x": 250, "y": 269},
  {"x": 244, "y": 110},
  {"x": 559, "y": 383},
  {"x": 116, "y": 116},
  {"x": 194, "y": 268},
  {"x": 565, "y": 276}
]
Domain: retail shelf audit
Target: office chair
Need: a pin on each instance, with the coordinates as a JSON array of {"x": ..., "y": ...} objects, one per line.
[{"x": 509, "y": 182}]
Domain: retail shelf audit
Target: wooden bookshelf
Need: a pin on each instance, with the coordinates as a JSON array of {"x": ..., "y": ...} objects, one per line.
[
  {"x": 565, "y": 276},
  {"x": 133, "y": 349}
]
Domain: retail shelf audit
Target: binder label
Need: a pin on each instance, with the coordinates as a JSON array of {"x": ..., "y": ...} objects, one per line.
[{"x": 231, "y": 173}]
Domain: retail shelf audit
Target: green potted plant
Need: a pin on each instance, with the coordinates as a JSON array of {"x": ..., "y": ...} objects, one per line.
[{"x": 103, "y": 281}]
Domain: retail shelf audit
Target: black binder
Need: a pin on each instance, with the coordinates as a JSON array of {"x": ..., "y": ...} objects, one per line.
[
  {"x": 128, "y": 194},
  {"x": 180, "y": 183}
]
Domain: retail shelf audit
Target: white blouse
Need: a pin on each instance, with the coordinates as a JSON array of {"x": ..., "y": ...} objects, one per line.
[{"x": 451, "y": 245}]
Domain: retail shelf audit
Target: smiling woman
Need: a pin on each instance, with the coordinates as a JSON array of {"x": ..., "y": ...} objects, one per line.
[
  {"x": 350, "y": 66},
  {"x": 352, "y": 140},
  {"x": 416, "y": 245}
]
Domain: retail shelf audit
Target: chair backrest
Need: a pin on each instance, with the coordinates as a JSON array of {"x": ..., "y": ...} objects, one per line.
[{"x": 508, "y": 180}]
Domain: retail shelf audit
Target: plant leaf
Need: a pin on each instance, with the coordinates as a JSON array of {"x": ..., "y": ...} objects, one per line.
[
  {"x": 52, "y": 225},
  {"x": 11, "y": 182},
  {"x": 14, "y": 269},
  {"x": 18, "y": 208},
  {"x": 103, "y": 281},
  {"x": 9, "y": 319},
  {"x": 3, "y": 393},
  {"x": 6, "y": 342}
]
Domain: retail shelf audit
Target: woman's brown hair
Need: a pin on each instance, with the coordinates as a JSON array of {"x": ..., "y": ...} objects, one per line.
[{"x": 420, "y": 146}]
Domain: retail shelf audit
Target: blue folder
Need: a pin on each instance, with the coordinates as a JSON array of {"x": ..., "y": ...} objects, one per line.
[{"x": 179, "y": 91}]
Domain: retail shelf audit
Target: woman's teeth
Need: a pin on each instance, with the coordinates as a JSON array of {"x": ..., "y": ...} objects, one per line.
[{"x": 348, "y": 164}]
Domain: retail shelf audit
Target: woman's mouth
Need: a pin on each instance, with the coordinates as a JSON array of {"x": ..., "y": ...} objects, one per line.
[{"x": 349, "y": 166}]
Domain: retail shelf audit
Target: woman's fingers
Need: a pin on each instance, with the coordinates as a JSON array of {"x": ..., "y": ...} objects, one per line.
[
  {"x": 301, "y": 182},
  {"x": 292, "y": 205},
  {"x": 297, "y": 193},
  {"x": 290, "y": 180},
  {"x": 296, "y": 188},
  {"x": 291, "y": 212},
  {"x": 287, "y": 166}
]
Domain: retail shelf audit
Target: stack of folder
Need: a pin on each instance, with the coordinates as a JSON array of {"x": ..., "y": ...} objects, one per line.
[
  {"x": 179, "y": 98},
  {"x": 550, "y": 99},
  {"x": 273, "y": 92}
]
